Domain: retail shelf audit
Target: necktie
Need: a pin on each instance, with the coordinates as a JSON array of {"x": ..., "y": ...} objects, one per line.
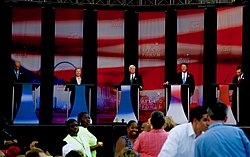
[
  {"x": 17, "y": 74},
  {"x": 131, "y": 79},
  {"x": 183, "y": 79}
]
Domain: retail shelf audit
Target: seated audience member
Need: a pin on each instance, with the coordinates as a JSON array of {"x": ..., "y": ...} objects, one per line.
[
  {"x": 74, "y": 140},
  {"x": 36, "y": 144},
  {"x": 6, "y": 138},
  {"x": 169, "y": 123},
  {"x": 35, "y": 152},
  {"x": 219, "y": 139},
  {"x": 126, "y": 152},
  {"x": 84, "y": 122},
  {"x": 128, "y": 139},
  {"x": 150, "y": 143},
  {"x": 74, "y": 153},
  {"x": 12, "y": 151},
  {"x": 181, "y": 138}
]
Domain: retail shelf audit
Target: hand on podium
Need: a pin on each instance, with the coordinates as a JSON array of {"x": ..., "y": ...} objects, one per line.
[{"x": 166, "y": 83}]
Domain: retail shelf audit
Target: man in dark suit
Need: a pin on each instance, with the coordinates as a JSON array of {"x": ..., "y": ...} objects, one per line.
[
  {"x": 187, "y": 81},
  {"x": 135, "y": 80},
  {"x": 238, "y": 81},
  {"x": 17, "y": 78}
]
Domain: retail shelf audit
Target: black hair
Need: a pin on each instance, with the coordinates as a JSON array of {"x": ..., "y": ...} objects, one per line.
[
  {"x": 197, "y": 113},
  {"x": 157, "y": 119}
]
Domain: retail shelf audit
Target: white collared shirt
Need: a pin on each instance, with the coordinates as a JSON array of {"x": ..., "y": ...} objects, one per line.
[{"x": 180, "y": 142}]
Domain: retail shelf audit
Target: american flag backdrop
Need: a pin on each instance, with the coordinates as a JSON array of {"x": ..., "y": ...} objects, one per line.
[{"x": 69, "y": 25}]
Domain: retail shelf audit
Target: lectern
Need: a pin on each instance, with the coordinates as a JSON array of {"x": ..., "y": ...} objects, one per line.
[
  {"x": 80, "y": 103},
  {"x": 174, "y": 102},
  {"x": 129, "y": 103},
  {"x": 26, "y": 112}
]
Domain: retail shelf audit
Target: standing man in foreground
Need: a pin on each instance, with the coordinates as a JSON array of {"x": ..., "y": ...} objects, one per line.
[
  {"x": 219, "y": 139},
  {"x": 181, "y": 138},
  {"x": 135, "y": 80}
]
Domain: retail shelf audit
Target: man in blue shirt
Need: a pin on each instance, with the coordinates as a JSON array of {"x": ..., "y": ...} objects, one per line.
[{"x": 221, "y": 140}]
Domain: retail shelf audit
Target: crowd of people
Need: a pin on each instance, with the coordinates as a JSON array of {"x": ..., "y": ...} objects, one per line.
[{"x": 204, "y": 135}]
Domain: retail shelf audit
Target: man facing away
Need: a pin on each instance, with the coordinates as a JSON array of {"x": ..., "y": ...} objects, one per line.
[{"x": 221, "y": 140}]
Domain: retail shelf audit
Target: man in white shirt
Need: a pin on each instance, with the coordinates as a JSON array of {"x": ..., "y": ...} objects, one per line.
[
  {"x": 181, "y": 139},
  {"x": 74, "y": 140}
]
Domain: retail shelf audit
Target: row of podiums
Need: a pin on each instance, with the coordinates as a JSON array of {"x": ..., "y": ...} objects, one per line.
[{"x": 26, "y": 113}]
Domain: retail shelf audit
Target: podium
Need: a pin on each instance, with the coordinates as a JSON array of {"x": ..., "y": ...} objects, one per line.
[
  {"x": 80, "y": 103},
  {"x": 174, "y": 102},
  {"x": 24, "y": 104},
  {"x": 129, "y": 103},
  {"x": 225, "y": 92}
]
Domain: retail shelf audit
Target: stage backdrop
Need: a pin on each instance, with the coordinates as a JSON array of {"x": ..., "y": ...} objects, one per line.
[
  {"x": 110, "y": 68},
  {"x": 151, "y": 36}
]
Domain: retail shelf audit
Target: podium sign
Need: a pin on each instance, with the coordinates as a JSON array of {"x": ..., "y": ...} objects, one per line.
[
  {"x": 125, "y": 111},
  {"x": 175, "y": 109},
  {"x": 80, "y": 104},
  {"x": 26, "y": 112}
]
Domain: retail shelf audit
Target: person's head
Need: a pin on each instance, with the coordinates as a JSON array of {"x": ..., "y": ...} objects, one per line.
[
  {"x": 74, "y": 153},
  {"x": 169, "y": 123},
  {"x": 198, "y": 118},
  {"x": 184, "y": 67},
  {"x": 238, "y": 70},
  {"x": 12, "y": 151},
  {"x": 72, "y": 127},
  {"x": 157, "y": 119},
  {"x": 126, "y": 152},
  {"x": 145, "y": 126},
  {"x": 78, "y": 72},
  {"x": 132, "y": 69},
  {"x": 83, "y": 119},
  {"x": 217, "y": 112},
  {"x": 17, "y": 65},
  {"x": 35, "y": 152},
  {"x": 132, "y": 129}
]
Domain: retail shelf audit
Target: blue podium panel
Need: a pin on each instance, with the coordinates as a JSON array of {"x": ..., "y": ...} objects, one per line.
[
  {"x": 175, "y": 108},
  {"x": 125, "y": 111},
  {"x": 26, "y": 113},
  {"x": 80, "y": 104}
]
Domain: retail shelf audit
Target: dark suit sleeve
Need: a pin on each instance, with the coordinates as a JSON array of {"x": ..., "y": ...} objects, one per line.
[{"x": 70, "y": 85}]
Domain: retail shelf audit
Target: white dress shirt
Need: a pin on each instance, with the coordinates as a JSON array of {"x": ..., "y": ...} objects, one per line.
[{"x": 180, "y": 142}]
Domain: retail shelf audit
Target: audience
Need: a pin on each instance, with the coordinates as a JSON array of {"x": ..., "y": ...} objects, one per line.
[
  {"x": 126, "y": 152},
  {"x": 128, "y": 139},
  {"x": 181, "y": 138},
  {"x": 74, "y": 153},
  {"x": 169, "y": 123},
  {"x": 84, "y": 121},
  {"x": 35, "y": 152},
  {"x": 220, "y": 139},
  {"x": 150, "y": 143},
  {"x": 145, "y": 126},
  {"x": 74, "y": 140}
]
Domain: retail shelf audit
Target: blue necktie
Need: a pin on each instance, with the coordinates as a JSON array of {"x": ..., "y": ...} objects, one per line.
[{"x": 183, "y": 79}]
